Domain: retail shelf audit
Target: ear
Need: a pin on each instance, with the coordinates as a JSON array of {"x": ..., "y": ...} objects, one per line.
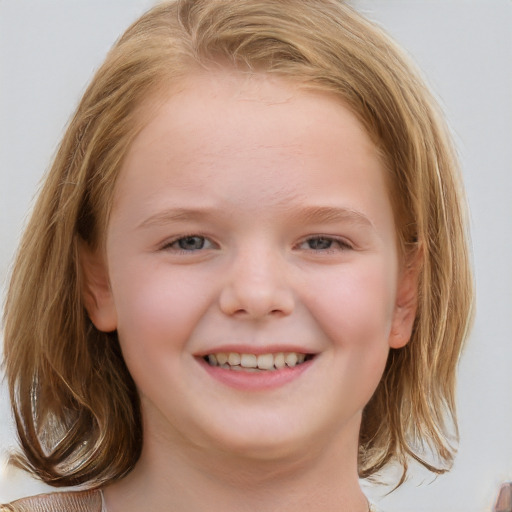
[
  {"x": 406, "y": 303},
  {"x": 96, "y": 291}
]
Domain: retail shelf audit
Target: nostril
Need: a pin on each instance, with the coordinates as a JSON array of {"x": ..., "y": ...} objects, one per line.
[{"x": 255, "y": 293}]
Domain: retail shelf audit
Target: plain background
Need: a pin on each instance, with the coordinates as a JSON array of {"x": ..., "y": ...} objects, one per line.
[{"x": 48, "y": 52}]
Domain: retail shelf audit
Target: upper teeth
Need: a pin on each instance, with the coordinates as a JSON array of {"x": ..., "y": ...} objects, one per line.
[{"x": 235, "y": 360}]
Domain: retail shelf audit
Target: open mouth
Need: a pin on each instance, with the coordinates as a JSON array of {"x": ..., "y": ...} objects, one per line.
[{"x": 257, "y": 362}]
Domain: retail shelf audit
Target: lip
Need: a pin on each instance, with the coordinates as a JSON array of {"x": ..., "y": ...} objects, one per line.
[
  {"x": 255, "y": 381},
  {"x": 257, "y": 350}
]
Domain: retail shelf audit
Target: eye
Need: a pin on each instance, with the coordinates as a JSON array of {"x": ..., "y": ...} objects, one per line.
[
  {"x": 324, "y": 243},
  {"x": 190, "y": 243}
]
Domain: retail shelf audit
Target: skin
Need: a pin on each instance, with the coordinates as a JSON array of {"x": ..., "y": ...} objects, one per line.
[{"x": 250, "y": 215}]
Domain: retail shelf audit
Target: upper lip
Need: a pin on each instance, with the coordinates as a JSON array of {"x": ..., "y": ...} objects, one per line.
[{"x": 257, "y": 350}]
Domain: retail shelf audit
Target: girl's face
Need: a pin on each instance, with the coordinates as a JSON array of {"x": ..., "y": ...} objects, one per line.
[{"x": 251, "y": 268}]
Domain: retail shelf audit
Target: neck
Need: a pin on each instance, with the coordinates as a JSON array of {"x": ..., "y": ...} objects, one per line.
[{"x": 177, "y": 478}]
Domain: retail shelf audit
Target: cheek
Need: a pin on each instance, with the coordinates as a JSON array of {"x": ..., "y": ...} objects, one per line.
[
  {"x": 156, "y": 315},
  {"x": 156, "y": 307},
  {"x": 355, "y": 306}
]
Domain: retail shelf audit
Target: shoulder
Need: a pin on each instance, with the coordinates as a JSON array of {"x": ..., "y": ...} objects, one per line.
[{"x": 79, "y": 501}]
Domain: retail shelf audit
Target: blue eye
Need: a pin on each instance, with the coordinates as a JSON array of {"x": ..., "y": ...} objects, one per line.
[
  {"x": 320, "y": 243},
  {"x": 190, "y": 243},
  {"x": 324, "y": 243}
]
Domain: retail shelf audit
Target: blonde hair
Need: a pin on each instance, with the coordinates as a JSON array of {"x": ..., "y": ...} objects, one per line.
[{"x": 75, "y": 404}]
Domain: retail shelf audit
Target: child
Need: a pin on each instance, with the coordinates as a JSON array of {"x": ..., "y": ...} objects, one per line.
[{"x": 245, "y": 283}]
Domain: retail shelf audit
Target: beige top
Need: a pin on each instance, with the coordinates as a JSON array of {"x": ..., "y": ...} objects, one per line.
[{"x": 80, "y": 501}]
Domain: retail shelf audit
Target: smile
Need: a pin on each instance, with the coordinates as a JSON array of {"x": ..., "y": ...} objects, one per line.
[{"x": 256, "y": 362}]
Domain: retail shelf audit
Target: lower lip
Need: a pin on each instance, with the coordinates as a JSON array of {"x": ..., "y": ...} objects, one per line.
[{"x": 255, "y": 381}]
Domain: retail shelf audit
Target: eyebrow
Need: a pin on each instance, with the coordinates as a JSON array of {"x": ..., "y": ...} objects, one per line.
[
  {"x": 175, "y": 215},
  {"x": 333, "y": 214},
  {"x": 309, "y": 214}
]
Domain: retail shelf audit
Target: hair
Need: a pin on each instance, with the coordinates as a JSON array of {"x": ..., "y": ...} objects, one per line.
[{"x": 75, "y": 403}]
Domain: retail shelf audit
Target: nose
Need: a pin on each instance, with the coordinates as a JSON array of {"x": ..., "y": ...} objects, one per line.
[{"x": 256, "y": 286}]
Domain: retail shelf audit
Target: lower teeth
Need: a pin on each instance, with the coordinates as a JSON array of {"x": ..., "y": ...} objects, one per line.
[{"x": 244, "y": 369}]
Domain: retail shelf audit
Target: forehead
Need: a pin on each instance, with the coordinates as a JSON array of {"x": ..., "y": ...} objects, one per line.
[
  {"x": 239, "y": 93},
  {"x": 241, "y": 104},
  {"x": 233, "y": 134}
]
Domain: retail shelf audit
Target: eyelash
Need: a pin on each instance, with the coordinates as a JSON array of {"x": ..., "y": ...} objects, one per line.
[
  {"x": 341, "y": 244},
  {"x": 203, "y": 241}
]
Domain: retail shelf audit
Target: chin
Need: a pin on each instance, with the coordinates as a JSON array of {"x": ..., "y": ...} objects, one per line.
[
  {"x": 270, "y": 454},
  {"x": 266, "y": 442}
]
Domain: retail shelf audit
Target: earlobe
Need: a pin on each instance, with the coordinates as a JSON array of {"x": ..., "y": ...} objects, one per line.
[
  {"x": 406, "y": 304},
  {"x": 96, "y": 291}
]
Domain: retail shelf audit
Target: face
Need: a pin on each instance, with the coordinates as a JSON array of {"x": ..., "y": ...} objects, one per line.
[{"x": 251, "y": 268}]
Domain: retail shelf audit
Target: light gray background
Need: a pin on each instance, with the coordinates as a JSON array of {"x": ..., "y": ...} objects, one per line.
[{"x": 48, "y": 52}]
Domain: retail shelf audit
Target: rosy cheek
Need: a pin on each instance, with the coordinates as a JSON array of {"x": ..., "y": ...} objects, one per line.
[
  {"x": 360, "y": 301},
  {"x": 156, "y": 307}
]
